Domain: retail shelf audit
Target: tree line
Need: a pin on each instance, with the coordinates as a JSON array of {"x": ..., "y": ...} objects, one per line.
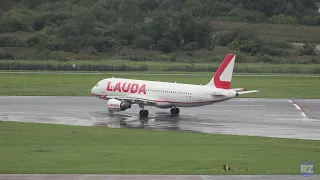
[{"x": 105, "y": 26}]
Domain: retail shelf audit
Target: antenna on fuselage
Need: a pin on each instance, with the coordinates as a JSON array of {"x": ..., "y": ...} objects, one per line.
[{"x": 112, "y": 76}]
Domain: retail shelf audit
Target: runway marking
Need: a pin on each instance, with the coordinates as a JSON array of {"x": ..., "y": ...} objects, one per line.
[
  {"x": 297, "y": 106},
  {"x": 290, "y": 101},
  {"x": 303, "y": 113}
]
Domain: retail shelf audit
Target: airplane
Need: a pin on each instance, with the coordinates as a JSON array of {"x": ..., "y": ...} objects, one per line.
[{"x": 121, "y": 93}]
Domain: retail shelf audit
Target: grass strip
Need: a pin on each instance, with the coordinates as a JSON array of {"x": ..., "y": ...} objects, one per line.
[
  {"x": 81, "y": 84},
  {"x": 47, "y": 148}
]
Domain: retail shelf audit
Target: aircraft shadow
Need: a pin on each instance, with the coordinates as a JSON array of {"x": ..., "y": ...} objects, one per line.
[{"x": 158, "y": 120}]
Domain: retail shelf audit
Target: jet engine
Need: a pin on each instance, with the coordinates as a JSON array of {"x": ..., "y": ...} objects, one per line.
[
  {"x": 116, "y": 105},
  {"x": 163, "y": 105}
]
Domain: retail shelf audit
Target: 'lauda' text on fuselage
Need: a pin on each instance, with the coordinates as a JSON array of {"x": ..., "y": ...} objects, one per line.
[{"x": 127, "y": 87}]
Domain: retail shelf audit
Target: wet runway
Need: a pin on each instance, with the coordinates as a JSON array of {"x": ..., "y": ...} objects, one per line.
[{"x": 255, "y": 117}]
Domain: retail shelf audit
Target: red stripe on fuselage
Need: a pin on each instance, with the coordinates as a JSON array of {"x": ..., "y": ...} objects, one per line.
[
  {"x": 104, "y": 97},
  {"x": 185, "y": 102}
]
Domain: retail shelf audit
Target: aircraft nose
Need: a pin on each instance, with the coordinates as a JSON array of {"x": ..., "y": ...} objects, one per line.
[{"x": 93, "y": 90}]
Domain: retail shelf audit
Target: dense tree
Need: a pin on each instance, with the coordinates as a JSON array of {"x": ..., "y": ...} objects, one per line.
[
  {"x": 308, "y": 49},
  {"x": 249, "y": 42},
  {"x": 163, "y": 25}
]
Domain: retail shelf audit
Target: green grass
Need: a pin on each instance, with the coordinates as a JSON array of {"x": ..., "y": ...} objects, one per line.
[
  {"x": 45, "y": 148},
  {"x": 80, "y": 85},
  {"x": 154, "y": 66}
]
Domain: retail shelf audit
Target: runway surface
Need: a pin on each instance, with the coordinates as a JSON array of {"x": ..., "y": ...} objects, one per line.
[
  {"x": 152, "y": 177},
  {"x": 254, "y": 117}
]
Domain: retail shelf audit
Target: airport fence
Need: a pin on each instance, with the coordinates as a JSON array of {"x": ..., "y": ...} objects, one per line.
[{"x": 256, "y": 68}]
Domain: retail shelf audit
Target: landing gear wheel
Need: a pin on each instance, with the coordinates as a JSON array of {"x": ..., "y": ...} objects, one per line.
[
  {"x": 144, "y": 113},
  {"x": 177, "y": 110},
  {"x": 174, "y": 111}
]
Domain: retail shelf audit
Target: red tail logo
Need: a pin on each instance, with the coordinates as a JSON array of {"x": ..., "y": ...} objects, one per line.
[{"x": 222, "y": 78}]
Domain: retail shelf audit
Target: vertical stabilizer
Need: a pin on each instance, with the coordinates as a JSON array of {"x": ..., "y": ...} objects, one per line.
[{"x": 222, "y": 78}]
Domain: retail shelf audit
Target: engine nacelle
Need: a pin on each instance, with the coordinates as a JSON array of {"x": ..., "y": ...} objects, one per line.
[
  {"x": 116, "y": 105},
  {"x": 163, "y": 105}
]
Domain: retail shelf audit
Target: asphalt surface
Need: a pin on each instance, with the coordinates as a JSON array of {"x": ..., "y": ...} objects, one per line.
[
  {"x": 254, "y": 117},
  {"x": 153, "y": 177}
]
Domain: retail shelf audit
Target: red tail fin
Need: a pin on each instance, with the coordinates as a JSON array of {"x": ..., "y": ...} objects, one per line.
[{"x": 222, "y": 78}]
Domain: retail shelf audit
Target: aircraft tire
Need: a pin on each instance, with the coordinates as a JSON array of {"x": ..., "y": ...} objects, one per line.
[
  {"x": 174, "y": 111},
  {"x": 177, "y": 110},
  {"x": 143, "y": 113}
]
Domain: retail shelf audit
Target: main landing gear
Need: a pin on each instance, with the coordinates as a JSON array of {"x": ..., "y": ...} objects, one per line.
[
  {"x": 143, "y": 113},
  {"x": 174, "y": 111}
]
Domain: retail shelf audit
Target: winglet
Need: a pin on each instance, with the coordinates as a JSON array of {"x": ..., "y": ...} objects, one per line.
[{"x": 223, "y": 76}]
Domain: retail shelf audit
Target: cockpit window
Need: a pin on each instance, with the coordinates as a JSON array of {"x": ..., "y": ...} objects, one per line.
[{"x": 97, "y": 84}]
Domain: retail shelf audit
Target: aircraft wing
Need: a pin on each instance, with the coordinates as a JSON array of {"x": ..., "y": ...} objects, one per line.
[
  {"x": 133, "y": 99},
  {"x": 216, "y": 94}
]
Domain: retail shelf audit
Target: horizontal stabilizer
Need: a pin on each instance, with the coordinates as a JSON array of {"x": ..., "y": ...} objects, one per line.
[
  {"x": 239, "y": 89},
  {"x": 246, "y": 92}
]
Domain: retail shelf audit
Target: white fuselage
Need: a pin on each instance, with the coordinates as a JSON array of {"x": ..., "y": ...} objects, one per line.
[{"x": 167, "y": 94}]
